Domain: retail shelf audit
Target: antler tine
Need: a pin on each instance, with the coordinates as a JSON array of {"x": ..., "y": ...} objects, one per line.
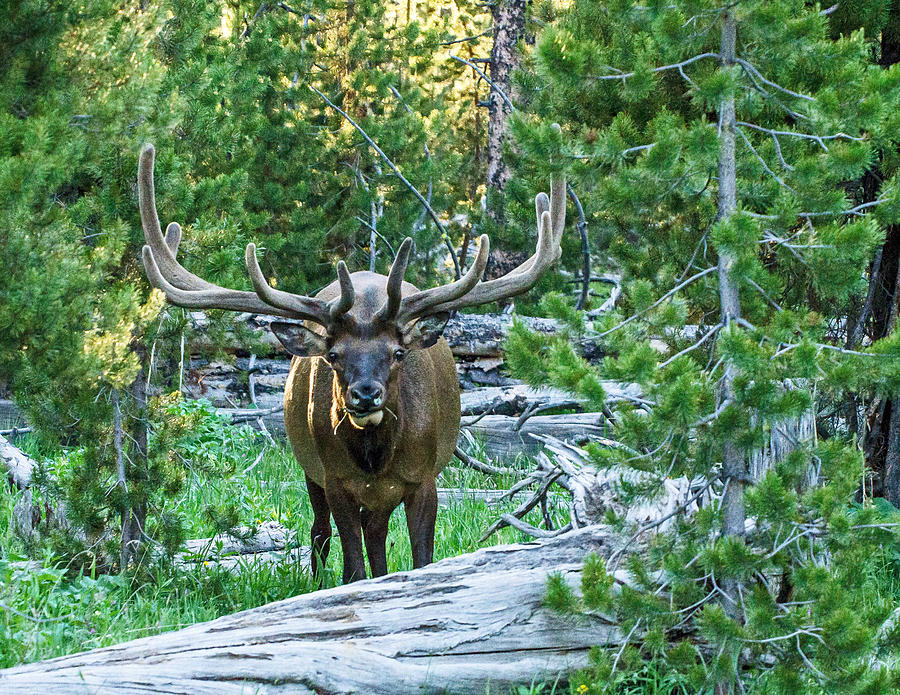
[
  {"x": 173, "y": 237},
  {"x": 295, "y": 305},
  {"x": 183, "y": 288},
  {"x": 558, "y": 210},
  {"x": 391, "y": 306},
  {"x": 551, "y": 222},
  {"x": 341, "y": 305},
  {"x": 216, "y": 297},
  {"x": 419, "y": 304},
  {"x": 163, "y": 251}
]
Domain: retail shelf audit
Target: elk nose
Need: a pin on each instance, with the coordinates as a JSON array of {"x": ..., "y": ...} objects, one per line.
[{"x": 366, "y": 395}]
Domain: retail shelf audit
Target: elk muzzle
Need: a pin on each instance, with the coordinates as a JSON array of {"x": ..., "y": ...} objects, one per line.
[{"x": 365, "y": 400}]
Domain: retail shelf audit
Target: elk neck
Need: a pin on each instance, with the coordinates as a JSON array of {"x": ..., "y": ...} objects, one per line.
[{"x": 372, "y": 446}]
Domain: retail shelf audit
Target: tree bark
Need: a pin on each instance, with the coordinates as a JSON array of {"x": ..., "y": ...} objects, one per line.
[
  {"x": 734, "y": 469},
  {"x": 881, "y": 442},
  {"x": 509, "y": 29},
  {"x": 460, "y": 625},
  {"x": 135, "y": 516}
]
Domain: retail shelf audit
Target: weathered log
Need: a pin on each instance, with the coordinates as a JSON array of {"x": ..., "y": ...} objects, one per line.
[
  {"x": 469, "y": 335},
  {"x": 501, "y": 436},
  {"x": 598, "y": 492},
  {"x": 459, "y": 625},
  {"x": 20, "y": 470},
  {"x": 494, "y": 400},
  {"x": 268, "y": 537},
  {"x": 510, "y": 400},
  {"x": 272, "y": 543}
]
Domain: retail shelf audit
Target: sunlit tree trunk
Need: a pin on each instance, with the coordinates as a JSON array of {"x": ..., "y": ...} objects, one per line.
[{"x": 509, "y": 29}]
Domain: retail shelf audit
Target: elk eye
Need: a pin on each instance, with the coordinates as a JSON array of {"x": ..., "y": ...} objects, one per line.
[
  {"x": 332, "y": 356},
  {"x": 398, "y": 354}
]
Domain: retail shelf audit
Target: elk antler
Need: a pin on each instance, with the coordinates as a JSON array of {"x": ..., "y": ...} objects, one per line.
[
  {"x": 469, "y": 291},
  {"x": 183, "y": 288}
]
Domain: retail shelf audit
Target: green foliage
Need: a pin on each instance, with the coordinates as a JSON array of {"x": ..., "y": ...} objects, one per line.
[
  {"x": 246, "y": 152},
  {"x": 638, "y": 90}
]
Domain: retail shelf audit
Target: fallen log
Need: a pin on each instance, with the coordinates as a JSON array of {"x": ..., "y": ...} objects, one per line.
[
  {"x": 28, "y": 514},
  {"x": 268, "y": 537},
  {"x": 470, "y": 335},
  {"x": 460, "y": 625},
  {"x": 492, "y": 400},
  {"x": 503, "y": 436},
  {"x": 510, "y": 400}
]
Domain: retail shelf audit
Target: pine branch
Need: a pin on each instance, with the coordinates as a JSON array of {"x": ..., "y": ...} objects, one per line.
[
  {"x": 667, "y": 295},
  {"x": 819, "y": 139},
  {"x": 674, "y": 66}
]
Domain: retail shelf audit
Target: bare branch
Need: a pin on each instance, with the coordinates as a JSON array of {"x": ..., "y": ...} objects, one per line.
[
  {"x": 533, "y": 531},
  {"x": 486, "y": 32},
  {"x": 700, "y": 342},
  {"x": 675, "y": 66},
  {"x": 762, "y": 161},
  {"x": 387, "y": 160},
  {"x": 753, "y": 72},
  {"x": 486, "y": 79},
  {"x": 667, "y": 295},
  {"x": 763, "y": 293},
  {"x": 581, "y": 225},
  {"x": 474, "y": 463},
  {"x": 819, "y": 139}
]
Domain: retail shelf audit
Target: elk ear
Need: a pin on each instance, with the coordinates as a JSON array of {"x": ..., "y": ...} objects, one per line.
[
  {"x": 426, "y": 331},
  {"x": 298, "y": 339}
]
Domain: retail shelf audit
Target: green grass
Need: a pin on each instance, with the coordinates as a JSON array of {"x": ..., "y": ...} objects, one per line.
[{"x": 46, "y": 612}]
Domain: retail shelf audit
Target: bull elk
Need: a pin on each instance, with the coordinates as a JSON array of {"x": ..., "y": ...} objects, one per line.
[{"x": 371, "y": 404}]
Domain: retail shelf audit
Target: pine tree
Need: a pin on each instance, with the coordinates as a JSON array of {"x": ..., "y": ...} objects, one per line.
[
  {"x": 74, "y": 315},
  {"x": 247, "y": 152},
  {"x": 720, "y": 153}
]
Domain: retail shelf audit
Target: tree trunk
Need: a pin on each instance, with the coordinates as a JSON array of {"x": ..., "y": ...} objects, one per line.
[
  {"x": 135, "y": 517},
  {"x": 461, "y": 625},
  {"x": 509, "y": 29},
  {"x": 734, "y": 469},
  {"x": 881, "y": 443}
]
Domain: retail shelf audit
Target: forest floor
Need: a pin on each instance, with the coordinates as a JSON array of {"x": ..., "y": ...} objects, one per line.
[{"x": 50, "y": 610}]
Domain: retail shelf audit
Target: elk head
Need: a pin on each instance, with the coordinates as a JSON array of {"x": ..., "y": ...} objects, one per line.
[{"x": 364, "y": 349}]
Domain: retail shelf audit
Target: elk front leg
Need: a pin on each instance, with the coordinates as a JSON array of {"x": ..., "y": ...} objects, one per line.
[
  {"x": 375, "y": 530},
  {"x": 320, "y": 536},
  {"x": 346, "y": 512},
  {"x": 421, "y": 512}
]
